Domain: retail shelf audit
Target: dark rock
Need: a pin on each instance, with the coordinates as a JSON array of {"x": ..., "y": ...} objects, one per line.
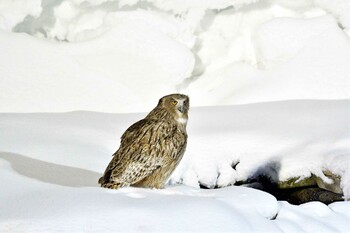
[
  {"x": 303, "y": 195},
  {"x": 295, "y": 191}
]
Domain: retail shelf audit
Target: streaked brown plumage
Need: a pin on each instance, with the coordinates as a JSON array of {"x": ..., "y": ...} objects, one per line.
[{"x": 151, "y": 148}]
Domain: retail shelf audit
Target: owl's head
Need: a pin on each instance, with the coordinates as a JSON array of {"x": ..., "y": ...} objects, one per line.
[{"x": 177, "y": 105}]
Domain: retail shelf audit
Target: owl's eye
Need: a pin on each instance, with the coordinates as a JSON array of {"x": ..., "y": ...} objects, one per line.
[{"x": 174, "y": 102}]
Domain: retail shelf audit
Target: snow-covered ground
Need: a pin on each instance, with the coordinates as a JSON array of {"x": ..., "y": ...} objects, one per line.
[
  {"x": 50, "y": 164},
  {"x": 282, "y": 68}
]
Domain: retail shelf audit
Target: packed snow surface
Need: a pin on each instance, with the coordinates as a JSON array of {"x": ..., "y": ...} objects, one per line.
[{"x": 50, "y": 164}]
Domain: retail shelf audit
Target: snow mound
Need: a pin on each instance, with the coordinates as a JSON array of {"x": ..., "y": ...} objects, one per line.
[
  {"x": 278, "y": 138},
  {"x": 313, "y": 216}
]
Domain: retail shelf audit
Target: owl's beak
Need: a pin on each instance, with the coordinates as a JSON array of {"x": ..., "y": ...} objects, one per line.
[{"x": 181, "y": 108}]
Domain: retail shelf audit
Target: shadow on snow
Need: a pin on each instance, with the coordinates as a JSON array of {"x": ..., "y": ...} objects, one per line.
[{"x": 50, "y": 172}]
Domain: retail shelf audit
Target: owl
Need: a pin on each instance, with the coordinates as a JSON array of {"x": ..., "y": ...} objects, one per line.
[{"x": 151, "y": 148}]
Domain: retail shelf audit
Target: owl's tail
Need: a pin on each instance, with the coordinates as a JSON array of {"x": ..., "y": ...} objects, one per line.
[
  {"x": 101, "y": 180},
  {"x": 106, "y": 183}
]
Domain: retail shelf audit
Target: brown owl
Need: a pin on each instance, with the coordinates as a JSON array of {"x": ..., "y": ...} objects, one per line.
[{"x": 151, "y": 148}]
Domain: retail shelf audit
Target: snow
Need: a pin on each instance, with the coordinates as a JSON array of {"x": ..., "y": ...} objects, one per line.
[
  {"x": 76, "y": 81},
  {"x": 280, "y": 136},
  {"x": 282, "y": 68},
  {"x": 13, "y": 12},
  {"x": 175, "y": 209},
  {"x": 113, "y": 56},
  {"x": 316, "y": 69},
  {"x": 289, "y": 138},
  {"x": 312, "y": 217},
  {"x": 57, "y": 158}
]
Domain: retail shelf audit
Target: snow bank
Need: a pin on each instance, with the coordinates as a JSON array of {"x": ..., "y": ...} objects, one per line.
[
  {"x": 282, "y": 140},
  {"x": 50, "y": 164},
  {"x": 313, "y": 65},
  {"x": 117, "y": 56},
  {"x": 107, "y": 74}
]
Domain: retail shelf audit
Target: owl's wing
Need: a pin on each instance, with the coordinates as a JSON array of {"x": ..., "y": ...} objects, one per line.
[
  {"x": 139, "y": 153},
  {"x": 133, "y": 132},
  {"x": 134, "y": 170}
]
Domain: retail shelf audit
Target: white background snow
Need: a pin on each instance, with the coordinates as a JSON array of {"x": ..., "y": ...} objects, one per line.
[{"x": 269, "y": 83}]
